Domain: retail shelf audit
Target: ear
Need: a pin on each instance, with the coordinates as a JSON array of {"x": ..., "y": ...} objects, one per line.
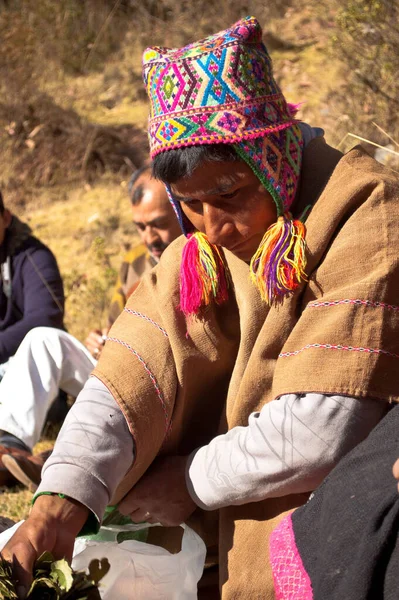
[{"x": 7, "y": 218}]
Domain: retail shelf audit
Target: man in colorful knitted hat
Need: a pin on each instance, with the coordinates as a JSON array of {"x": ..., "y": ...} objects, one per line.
[{"x": 257, "y": 353}]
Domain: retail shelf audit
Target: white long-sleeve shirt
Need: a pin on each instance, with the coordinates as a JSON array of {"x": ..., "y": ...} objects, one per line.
[{"x": 287, "y": 447}]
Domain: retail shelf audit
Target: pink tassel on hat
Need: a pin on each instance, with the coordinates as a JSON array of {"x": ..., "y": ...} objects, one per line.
[{"x": 202, "y": 275}]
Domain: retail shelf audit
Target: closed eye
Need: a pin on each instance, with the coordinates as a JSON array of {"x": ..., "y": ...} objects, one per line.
[
  {"x": 229, "y": 195},
  {"x": 194, "y": 206}
]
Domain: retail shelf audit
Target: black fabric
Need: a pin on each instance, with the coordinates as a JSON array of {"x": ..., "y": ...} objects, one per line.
[
  {"x": 37, "y": 295},
  {"x": 347, "y": 533}
]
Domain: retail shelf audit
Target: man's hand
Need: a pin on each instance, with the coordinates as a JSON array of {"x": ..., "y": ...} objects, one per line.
[
  {"x": 52, "y": 525},
  {"x": 95, "y": 341},
  {"x": 396, "y": 471},
  {"x": 161, "y": 495}
]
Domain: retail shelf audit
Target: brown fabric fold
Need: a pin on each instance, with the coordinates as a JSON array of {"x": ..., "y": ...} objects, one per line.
[{"x": 180, "y": 383}]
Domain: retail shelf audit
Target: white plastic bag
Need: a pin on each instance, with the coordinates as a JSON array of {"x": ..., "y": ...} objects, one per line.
[
  {"x": 141, "y": 571},
  {"x": 7, "y": 534}
]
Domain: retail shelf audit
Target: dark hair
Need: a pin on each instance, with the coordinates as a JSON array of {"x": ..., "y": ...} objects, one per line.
[
  {"x": 136, "y": 193},
  {"x": 172, "y": 165},
  {"x": 2, "y": 208}
]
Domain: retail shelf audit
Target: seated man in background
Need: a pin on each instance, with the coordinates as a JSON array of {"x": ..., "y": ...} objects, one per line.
[
  {"x": 50, "y": 359},
  {"x": 31, "y": 290},
  {"x": 157, "y": 226},
  {"x": 31, "y": 296}
]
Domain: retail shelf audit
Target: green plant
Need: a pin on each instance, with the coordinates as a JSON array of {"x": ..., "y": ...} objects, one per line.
[{"x": 55, "y": 580}]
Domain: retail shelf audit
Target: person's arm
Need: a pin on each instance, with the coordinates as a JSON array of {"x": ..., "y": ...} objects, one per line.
[
  {"x": 43, "y": 300},
  {"x": 288, "y": 447},
  {"x": 52, "y": 526},
  {"x": 92, "y": 453}
]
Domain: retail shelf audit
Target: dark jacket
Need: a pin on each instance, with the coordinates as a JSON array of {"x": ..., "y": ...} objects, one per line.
[{"x": 32, "y": 295}]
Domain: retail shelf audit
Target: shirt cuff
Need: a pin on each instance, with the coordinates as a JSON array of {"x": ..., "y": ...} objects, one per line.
[
  {"x": 67, "y": 479},
  {"x": 195, "y": 473}
]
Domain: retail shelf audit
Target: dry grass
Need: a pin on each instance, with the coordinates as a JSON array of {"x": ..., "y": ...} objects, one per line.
[{"x": 15, "y": 503}]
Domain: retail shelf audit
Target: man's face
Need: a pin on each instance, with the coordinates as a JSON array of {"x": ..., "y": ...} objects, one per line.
[
  {"x": 227, "y": 202},
  {"x": 154, "y": 216},
  {"x": 5, "y": 220}
]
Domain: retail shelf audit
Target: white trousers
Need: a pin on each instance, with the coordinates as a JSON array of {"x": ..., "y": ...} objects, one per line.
[{"x": 47, "y": 360}]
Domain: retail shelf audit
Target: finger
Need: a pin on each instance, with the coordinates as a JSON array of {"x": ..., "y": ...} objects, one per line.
[
  {"x": 140, "y": 516},
  {"x": 94, "y": 339},
  {"x": 96, "y": 352},
  {"x": 89, "y": 345},
  {"x": 152, "y": 520},
  {"x": 94, "y": 347},
  {"x": 23, "y": 557},
  {"x": 95, "y": 332},
  {"x": 128, "y": 504},
  {"x": 395, "y": 469}
]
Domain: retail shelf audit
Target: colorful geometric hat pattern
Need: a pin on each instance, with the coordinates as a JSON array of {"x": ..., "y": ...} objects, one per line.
[{"x": 222, "y": 90}]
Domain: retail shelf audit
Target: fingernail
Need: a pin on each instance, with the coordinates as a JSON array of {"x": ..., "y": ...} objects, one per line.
[{"x": 21, "y": 591}]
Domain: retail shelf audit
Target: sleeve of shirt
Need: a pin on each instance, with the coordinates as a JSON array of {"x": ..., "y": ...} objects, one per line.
[
  {"x": 288, "y": 447},
  {"x": 43, "y": 300},
  {"x": 93, "y": 451}
]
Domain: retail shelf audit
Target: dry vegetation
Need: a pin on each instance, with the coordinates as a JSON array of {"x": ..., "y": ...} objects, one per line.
[{"x": 73, "y": 111}]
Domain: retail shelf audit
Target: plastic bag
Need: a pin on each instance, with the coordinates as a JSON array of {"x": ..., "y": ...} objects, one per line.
[{"x": 140, "y": 571}]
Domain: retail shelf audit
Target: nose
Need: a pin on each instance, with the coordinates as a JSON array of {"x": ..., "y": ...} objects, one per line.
[
  {"x": 149, "y": 235},
  {"x": 217, "y": 225}
]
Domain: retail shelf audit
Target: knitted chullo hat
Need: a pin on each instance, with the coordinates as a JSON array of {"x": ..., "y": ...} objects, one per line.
[{"x": 222, "y": 90}]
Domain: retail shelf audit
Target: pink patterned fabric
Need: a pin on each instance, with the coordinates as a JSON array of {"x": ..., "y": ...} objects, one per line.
[
  {"x": 135, "y": 313},
  {"x": 168, "y": 420},
  {"x": 339, "y": 347},
  {"x": 291, "y": 582},
  {"x": 355, "y": 301}
]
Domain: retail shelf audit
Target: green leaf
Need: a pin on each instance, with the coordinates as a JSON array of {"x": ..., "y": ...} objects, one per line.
[
  {"x": 55, "y": 580},
  {"x": 7, "y": 588},
  {"x": 61, "y": 573}
]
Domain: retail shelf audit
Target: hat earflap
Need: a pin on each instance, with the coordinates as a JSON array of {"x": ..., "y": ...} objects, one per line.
[
  {"x": 203, "y": 276},
  {"x": 278, "y": 266}
]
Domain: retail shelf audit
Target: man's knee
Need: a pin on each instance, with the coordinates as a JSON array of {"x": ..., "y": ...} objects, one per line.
[{"x": 42, "y": 337}]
